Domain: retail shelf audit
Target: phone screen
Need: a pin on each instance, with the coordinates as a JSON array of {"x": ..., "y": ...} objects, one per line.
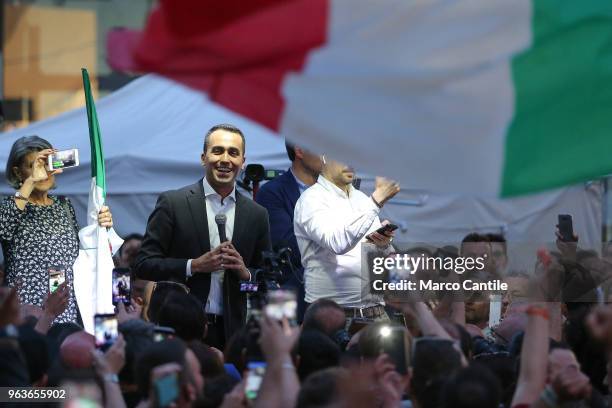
[
  {"x": 395, "y": 344},
  {"x": 566, "y": 228},
  {"x": 255, "y": 375},
  {"x": 105, "y": 330},
  {"x": 64, "y": 159},
  {"x": 121, "y": 286},
  {"x": 282, "y": 304},
  {"x": 167, "y": 389},
  {"x": 57, "y": 276}
]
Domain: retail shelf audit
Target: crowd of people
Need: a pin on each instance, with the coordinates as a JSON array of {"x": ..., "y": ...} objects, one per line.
[{"x": 191, "y": 336}]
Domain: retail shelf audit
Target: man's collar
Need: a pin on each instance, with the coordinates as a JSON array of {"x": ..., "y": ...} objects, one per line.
[
  {"x": 209, "y": 190},
  {"x": 297, "y": 179},
  {"x": 328, "y": 185}
]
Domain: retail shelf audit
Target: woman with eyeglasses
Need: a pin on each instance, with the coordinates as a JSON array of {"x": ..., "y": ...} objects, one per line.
[{"x": 39, "y": 231}]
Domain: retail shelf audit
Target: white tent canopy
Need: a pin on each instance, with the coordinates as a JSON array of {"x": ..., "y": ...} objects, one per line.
[{"x": 152, "y": 132}]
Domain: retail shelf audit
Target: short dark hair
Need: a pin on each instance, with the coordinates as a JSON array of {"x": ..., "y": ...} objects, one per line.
[
  {"x": 475, "y": 387},
  {"x": 210, "y": 364},
  {"x": 227, "y": 127},
  {"x": 475, "y": 237},
  {"x": 158, "y": 297},
  {"x": 434, "y": 360},
  {"x": 317, "y": 352},
  {"x": 290, "y": 150},
  {"x": 322, "y": 388},
  {"x": 314, "y": 318},
  {"x": 499, "y": 239},
  {"x": 156, "y": 354},
  {"x": 185, "y": 314},
  {"x": 215, "y": 389},
  {"x": 20, "y": 149}
]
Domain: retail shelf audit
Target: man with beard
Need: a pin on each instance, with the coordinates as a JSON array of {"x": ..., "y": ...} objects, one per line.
[{"x": 182, "y": 242}]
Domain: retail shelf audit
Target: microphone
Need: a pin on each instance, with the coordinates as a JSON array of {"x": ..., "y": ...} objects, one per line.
[{"x": 220, "y": 219}]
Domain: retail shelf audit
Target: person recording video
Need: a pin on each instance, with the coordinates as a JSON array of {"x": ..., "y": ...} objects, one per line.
[{"x": 184, "y": 243}]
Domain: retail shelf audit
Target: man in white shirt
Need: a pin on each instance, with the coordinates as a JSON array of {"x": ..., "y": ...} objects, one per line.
[{"x": 332, "y": 221}]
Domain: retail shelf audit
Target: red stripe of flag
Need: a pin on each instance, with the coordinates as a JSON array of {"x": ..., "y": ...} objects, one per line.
[{"x": 238, "y": 51}]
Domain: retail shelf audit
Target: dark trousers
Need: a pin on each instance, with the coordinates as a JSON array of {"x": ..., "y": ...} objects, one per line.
[{"x": 215, "y": 334}]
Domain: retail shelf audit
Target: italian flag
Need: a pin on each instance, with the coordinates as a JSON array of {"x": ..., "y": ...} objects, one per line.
[
  {"x": 487, "y": 97},
  {"x": 94, "y": 266}
]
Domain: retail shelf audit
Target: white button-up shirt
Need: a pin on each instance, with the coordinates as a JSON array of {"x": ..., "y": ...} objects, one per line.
[
  {"x": 215, "y": 205},
  {"x": 330, "y": 227}
]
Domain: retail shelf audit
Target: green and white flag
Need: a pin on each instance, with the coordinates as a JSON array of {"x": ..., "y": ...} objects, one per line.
[{"x": 94, "y": 266}]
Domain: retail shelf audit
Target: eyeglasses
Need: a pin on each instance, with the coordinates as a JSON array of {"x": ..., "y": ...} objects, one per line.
[{"x": 170, "y": 284}]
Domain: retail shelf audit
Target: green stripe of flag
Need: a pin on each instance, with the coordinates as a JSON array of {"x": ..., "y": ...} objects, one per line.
[
  {"x": 562, "y": 129},
  {"x": 95, "y": 137}
]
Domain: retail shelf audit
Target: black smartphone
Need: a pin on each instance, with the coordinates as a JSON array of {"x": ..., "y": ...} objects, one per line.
[
  {"x": 566, "y": 227},
  {"x": 395, "y": 344},
  {"x": 122, "y": 291},
  {"x": 385, "y": 229},
  {"x": 166, "y": 389},
  {"x": 106, "y": 330}
]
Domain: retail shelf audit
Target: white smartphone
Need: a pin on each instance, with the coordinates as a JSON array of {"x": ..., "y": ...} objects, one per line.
[
  {"x": 57, "y": 276},
  {"x": 63, "y": 159}
]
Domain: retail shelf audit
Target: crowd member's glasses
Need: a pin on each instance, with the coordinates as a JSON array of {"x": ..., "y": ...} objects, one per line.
[{"x": 170, "y": 284}]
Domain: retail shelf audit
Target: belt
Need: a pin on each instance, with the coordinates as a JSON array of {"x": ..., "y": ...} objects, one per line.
[
  {"x": 370, "y": 312},
  {"x": 214, "y": 318}
]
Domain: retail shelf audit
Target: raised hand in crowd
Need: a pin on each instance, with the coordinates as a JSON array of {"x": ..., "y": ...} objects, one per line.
[
  {"x": 571, "y": 384},
  {"x": 384, "y": 190},
  {"x": 131, "y": 312},
  {"x": 277, "y": 340},
  {"x": 236, "y": 398},
  {"x": 389, "y": 382},
  {"x": 107, "y": 366},
  {"x": 568, "y": 249},
  {"x": 54, "y": 305}
]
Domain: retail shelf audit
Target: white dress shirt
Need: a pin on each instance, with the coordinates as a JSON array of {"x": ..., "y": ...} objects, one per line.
[
  {"x": 215, "y": 205},
  {"x": 330, "y": 227}
]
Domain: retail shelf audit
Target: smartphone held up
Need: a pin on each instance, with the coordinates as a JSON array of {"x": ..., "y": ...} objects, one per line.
[
  {"x": 63, "y": 159},
  {"x": 121, "y": 286}
]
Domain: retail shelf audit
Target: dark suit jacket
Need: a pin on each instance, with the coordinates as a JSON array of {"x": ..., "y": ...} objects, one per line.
[
  {"x": 279, "y": 196},
  {"x": 177, "y": 230}
]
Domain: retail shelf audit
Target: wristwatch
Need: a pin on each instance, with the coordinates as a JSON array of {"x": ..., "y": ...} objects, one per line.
[{"x": 20, "y": 196}]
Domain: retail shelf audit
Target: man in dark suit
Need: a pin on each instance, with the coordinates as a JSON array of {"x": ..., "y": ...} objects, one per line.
[
  {"x": 182, "y": 241},
  {"x": 279, "y": 196}
]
